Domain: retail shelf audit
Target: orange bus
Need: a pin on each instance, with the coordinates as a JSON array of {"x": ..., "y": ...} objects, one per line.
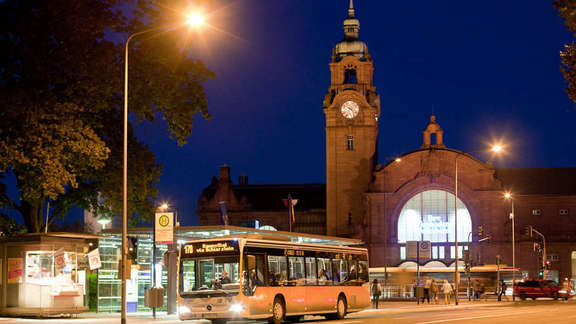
[{"x": 251, "y": 278}]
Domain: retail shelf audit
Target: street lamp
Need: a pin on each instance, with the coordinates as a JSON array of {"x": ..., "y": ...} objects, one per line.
[
  {"x": 103, "y": 221},
  {"x": 495, "y": 149},
  {"x": 508, "y": 196},
  {"x": 194, "y": 20}
]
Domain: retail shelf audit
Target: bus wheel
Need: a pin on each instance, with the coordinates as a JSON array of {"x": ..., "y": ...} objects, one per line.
[
  {"x": 555, "y": 295},
  {"x": 341, "y": 308},
  {"x": 278, "y": 311}
]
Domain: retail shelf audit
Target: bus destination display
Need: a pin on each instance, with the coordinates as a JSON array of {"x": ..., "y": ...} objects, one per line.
[{"x": 211, "y": 248}]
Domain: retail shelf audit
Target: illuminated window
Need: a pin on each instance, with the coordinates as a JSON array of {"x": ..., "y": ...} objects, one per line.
[
  {"x": 350, "y": 143},
  {"x": 429, "y": 216},
  {"x": 536, "y": 212},
  {"x": 453, "y": 250},
  {"x": 402, "y": 253}
]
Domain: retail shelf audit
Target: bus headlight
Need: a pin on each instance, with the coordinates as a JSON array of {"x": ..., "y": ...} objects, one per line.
[
  {"x": 184, "y": 309},
  {"x": 237, "y": 308}
]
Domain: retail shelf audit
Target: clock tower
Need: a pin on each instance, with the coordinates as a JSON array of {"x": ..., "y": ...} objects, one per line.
[{"x": 352, "y": 108}]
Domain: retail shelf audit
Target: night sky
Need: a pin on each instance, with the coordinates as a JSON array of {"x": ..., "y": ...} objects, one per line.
[{"x": 488, "y": 70}]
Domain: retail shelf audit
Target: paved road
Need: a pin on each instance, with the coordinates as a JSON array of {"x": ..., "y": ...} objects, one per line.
[{"x": 528, "y": 312}]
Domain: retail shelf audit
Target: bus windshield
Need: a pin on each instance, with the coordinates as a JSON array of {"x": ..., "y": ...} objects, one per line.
[{"x": 219, "y": 273}]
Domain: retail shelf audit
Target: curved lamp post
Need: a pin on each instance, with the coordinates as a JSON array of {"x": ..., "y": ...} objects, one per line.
[{"x": 193, "y": 20}]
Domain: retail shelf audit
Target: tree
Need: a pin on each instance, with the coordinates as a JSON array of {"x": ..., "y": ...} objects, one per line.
[
  {"x": 567, "y": 10},
  {"x": 61, "y": 82}
]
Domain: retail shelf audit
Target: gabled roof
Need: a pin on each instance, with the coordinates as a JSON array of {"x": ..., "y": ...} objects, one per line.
[
  {"x": 544, "y": 181},
  {"x": 269, "y": 196}
]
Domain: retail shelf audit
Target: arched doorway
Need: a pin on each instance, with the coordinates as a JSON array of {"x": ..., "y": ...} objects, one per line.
[{"x": 429, "y": 216}]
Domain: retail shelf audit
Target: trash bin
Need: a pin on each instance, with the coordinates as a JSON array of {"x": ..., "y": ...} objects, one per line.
[{"x": 419, "y": 291}]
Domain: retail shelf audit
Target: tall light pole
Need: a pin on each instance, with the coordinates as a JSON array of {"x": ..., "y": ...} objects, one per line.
[
  {"x": 509, "y": 197},
  {"x": 495, "y": 149},
  {"x": 192, "y": 20}
]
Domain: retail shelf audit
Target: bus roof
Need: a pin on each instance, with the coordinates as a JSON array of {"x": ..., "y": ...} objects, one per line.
[
  {"x": 188, "y": 233},
  {"x": 280, "y": 242}
]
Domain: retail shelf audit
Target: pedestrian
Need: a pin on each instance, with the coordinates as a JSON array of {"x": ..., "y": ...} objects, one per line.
[
  {"x": 427, "y": 284},
  {"x": 447, "y": 291},
  {"x": 376, "y": 290},
  {"x": 434, "y": 291},
  {"x": 482, "y": 292},
  {"x": 476, "y": 289},
  {"x": 502, "y": 292}
]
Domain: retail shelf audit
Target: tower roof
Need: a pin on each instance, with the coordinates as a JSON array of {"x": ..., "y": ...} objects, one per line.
[{"x": 351, "y": 45}]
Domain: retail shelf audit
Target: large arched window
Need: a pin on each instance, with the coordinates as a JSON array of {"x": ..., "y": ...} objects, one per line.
[{"x": 429, "y": 216}]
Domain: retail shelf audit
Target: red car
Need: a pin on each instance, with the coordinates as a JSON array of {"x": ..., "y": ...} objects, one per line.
[{"x": 540, "y": 288}]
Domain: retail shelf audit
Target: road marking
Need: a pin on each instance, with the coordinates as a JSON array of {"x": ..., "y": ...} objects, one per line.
[{"x": 477, "y": 317}]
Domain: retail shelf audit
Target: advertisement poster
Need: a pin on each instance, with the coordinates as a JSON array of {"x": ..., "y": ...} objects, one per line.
[
  {"x": 94, "y": 259},
  {"x": 163, "y": 227},
  {"x": 15, "y": 270}
]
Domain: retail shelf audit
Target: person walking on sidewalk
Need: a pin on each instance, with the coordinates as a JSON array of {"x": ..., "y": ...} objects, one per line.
[
  {"x": 447, "y": 291},
  {"x": 376, "y": 291},
  {"x": 434, "y": 291},
  {"x": 502, "y": 292},
  {"x": 427, "y": 284}
]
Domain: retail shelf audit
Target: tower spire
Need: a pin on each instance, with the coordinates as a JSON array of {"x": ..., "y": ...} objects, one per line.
[{"x": 351, "y": 9}]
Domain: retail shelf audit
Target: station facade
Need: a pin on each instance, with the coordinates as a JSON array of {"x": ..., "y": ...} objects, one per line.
[{"x": 414, "y": 197}]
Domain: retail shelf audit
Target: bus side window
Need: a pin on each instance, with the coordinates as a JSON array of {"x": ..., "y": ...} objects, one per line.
[
  {"x": 343, "y": 271},
  {"x": 273, "y": 269},
  {"x": 336, "y": 271},
  {"x": 311, "y": 279},
  {"x": 253, "y": 274},
  {"x": 363, "y": 271},
  {"x": 276, "y": 270},
  {"x": 353, "y": 273},
  {"x": 324, "y": 272},
  {"x": 296, "y": 274}
]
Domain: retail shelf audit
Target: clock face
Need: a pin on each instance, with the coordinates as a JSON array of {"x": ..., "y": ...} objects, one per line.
[{"x": 349, "y": 109}]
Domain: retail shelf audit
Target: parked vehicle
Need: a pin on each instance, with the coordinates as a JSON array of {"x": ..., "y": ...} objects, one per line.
[{"x": 540, "y": 288}]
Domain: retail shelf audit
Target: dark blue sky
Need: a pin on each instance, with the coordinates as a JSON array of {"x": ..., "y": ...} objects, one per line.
[{"x": 486, "y": 69}]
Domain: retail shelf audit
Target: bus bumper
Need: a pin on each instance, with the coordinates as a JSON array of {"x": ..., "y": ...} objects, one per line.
[{"x": 194, "y": 314}]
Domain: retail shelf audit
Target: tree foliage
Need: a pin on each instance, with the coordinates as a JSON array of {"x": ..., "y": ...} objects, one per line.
[
  {"x": 567, "y": 10},
  {"x": 61, "y": 83}
]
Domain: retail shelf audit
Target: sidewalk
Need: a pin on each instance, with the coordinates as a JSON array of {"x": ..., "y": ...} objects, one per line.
[{"x": 400, "y": 306}]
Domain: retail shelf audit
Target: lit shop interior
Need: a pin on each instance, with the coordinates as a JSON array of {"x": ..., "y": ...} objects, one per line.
[{"x": 45, "y": 274}]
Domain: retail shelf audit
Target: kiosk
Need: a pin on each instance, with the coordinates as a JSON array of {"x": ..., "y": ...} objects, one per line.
[{"x": 44, "y": 274}]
